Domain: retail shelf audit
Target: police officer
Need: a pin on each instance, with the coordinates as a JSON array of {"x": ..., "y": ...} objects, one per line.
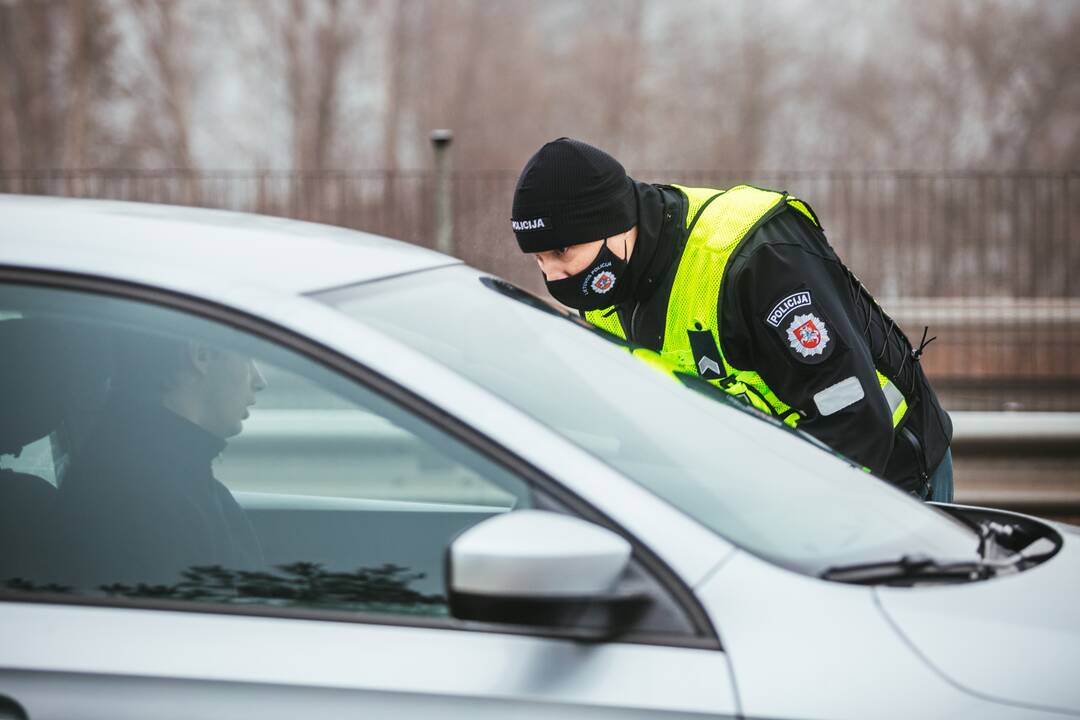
[{"x": 741, "y": 287}]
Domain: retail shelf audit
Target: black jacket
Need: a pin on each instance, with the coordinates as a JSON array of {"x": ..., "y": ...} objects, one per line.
[
  {"x": 788, "y": 255},
  {"x": 140, "y": 504}
]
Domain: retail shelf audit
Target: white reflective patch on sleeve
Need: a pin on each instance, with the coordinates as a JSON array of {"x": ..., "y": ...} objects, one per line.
[{"x": 839, "y": 396}]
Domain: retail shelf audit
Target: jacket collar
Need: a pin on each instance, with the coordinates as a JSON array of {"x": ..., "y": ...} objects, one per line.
[
  {"x": 661, "y": 233},
  {"x": 156, "y": 432}
]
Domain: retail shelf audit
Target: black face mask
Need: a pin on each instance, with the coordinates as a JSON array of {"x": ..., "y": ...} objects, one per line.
[{"x": 602, "y": 284}]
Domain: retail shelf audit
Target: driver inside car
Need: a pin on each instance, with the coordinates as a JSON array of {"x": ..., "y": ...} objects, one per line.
[{"x": 139, "y": 503}]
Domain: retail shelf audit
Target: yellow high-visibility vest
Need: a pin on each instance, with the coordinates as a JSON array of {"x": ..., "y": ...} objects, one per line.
[{"x": 718, "y": 221}]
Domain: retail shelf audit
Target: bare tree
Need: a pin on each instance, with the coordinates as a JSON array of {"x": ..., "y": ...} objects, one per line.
[
  {"x": 169, "y": 80},
  {"x": 90, "y": 86},
  {"x": 164, "y": 87},
  {"x": 316, "y": 40},
  {"x": 28, "y": 40},
  {"x": 701, "y": 83},
  {"x": 984, "y": 84},
  {"x": 394, "y": 70},
  {"x": 56, "y": 83}
]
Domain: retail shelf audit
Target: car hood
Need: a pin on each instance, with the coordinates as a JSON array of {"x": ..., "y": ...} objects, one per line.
[{"x": 1015, "y": 638}]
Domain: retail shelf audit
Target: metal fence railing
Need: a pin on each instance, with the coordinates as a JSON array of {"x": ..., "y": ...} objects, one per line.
[{"x": 990, "y": 261}]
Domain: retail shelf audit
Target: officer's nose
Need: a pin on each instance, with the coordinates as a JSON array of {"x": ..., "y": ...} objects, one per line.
[{"x": 551, "y": 268}]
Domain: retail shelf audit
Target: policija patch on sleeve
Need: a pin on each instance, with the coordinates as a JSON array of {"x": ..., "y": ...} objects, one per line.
[{"x": 802, "y": 327}]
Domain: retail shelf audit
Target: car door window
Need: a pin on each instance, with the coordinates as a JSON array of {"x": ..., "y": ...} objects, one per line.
[
  {"x": 179, "y": 458},
  {"x": 303, "y": 438}
]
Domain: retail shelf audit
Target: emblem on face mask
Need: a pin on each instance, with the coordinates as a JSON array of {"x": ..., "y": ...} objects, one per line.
[
  {"x": 603, "y": 282},
  {"x": 807, "y": 335}
]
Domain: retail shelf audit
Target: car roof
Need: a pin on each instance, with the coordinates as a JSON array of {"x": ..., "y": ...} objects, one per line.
[{"x": 134, "y": 241}]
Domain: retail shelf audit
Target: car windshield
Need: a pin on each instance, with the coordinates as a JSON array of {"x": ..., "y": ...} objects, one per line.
[{"x": 760, "y": 486}]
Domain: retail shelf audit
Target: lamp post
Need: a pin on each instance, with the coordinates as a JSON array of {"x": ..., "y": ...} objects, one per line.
[{"x": 444, "y": 219}]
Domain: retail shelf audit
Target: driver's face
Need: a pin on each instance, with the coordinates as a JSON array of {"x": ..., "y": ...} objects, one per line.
[{"x": 231, "y": 383}]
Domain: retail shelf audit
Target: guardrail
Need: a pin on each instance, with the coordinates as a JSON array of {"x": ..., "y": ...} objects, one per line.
[
  {"x": 998, "y": 433},
  {"x": 1023, "y": 461}
]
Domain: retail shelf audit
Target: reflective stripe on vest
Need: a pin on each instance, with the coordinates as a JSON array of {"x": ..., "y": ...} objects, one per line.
[
  {"x": 718, "y": 222},
  {"x": 895, "y": 398}
]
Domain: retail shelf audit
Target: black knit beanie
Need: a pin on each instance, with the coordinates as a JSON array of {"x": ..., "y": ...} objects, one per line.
[{"x": 571, "y": 193}]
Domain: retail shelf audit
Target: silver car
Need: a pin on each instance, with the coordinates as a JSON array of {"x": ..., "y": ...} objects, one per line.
[{"x": 255, "y": 468}]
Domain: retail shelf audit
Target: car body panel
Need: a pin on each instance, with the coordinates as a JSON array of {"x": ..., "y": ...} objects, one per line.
[
  {"x": 794, "y": 646},
  {"x": 692, "y": 550},
  {"x": 797, "y": 642},
  {"x": 211, "y": 250},
  {"x": 1015, "y": 638},
  {"x": 406, "y": 672}
]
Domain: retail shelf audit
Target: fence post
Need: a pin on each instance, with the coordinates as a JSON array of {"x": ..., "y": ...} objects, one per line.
[{"x": 444, "y": 219}]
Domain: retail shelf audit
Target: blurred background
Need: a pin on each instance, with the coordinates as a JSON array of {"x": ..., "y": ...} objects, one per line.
[{"x": 938, "y": 141}]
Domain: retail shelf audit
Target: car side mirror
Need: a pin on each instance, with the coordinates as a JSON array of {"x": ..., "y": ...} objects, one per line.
[{"x": 539, "y": 568}]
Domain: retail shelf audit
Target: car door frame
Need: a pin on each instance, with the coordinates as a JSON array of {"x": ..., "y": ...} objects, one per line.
[{"x": 705, "y": 635}]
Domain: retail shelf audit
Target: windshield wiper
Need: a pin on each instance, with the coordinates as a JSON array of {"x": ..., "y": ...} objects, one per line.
[
  {"x": 913, "y": 568},
  {"x": 991, "y": 534},
  {"x": 1006, "y": 539}
]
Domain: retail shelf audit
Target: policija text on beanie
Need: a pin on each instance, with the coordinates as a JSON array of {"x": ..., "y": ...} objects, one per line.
[{"x": 571, "y": 193}]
